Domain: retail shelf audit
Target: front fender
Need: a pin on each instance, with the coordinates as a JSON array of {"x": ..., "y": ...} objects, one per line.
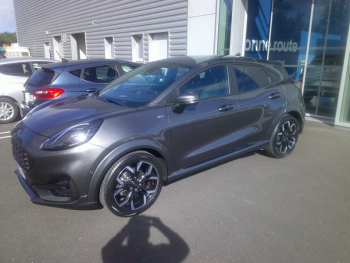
[{"x": 117, "y": 153}]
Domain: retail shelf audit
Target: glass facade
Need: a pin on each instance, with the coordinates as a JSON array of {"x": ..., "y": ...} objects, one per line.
[{"x": 309, "y": 38}]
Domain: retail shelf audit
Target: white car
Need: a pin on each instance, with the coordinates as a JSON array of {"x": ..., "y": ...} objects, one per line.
[{"x": 13, "y": 74}]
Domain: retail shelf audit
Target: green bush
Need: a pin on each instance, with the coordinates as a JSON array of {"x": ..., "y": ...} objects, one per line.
[{"x": 7, "y": 38}]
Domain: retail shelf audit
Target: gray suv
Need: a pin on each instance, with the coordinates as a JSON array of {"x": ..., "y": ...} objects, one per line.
[
  {"x": 154, "y": 124},
  {"x": 13, "y": 74}
]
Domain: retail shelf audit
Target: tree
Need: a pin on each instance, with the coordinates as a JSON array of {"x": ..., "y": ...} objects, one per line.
[{"x": 7, "y": 38}]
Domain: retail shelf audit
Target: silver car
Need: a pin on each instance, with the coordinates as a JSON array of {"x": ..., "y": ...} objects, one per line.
[{"x": 13, "y": 74}]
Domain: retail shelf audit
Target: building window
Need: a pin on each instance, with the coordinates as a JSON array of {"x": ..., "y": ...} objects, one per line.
[
  {"x": 158, "y": 46},
  {"x": 78, "y": 46},
  {"x": 109, "y": 47},
  {"x": 137, "y": 48},
  {"x": 224, "y": 35}
]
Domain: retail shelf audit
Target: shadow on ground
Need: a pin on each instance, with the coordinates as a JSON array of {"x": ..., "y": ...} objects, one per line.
[{"x": 132, "y": 244}]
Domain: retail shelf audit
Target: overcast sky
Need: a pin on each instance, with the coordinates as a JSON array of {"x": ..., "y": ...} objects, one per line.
[{"x": 7, "y": 16}]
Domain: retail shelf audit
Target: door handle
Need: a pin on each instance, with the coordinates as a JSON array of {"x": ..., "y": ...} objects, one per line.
[
  {"x": 274, "y": 96},
  {"x": 226, "y": 107},
  {"x": 91, "y": 90}
]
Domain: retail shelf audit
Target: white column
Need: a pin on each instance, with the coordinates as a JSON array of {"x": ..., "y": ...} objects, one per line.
[{"x": 201, "y": 27}]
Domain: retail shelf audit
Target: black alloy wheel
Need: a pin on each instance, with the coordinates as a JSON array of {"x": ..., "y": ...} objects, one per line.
[
  {"x": 132, "y": 184},
  {"x": 284, "y": 137}
]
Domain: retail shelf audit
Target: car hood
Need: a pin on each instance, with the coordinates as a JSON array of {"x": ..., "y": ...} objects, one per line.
[{"x": 54, "y": 118}]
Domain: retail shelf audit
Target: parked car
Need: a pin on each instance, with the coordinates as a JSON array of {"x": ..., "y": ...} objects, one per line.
[
  {"x": 13, "y": 74},
  {"x": 159, "y": 122},
  {"x": 2, "y": 54},
  {"x": 64, "y": 79},
  {"x": 329, "y": 83}
]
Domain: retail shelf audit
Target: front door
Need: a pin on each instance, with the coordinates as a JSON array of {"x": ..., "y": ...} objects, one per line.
[{"x": 206, "y": 130}]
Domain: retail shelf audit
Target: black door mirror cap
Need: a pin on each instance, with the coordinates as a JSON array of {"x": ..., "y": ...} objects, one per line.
[{"x": 187, "y": 98}]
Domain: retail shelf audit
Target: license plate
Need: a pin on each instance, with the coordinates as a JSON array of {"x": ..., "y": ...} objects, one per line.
[
  {"x": 22, "y": 173},
  {"x": 28, "y": 97},
  {"x": 323, "y": 83}
]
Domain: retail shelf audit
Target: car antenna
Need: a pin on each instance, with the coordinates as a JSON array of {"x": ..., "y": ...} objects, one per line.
[{"x": 63, "y": 59}]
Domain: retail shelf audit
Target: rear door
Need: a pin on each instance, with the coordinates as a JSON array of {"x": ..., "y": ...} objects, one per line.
[
  {"x": 260, "y": 98},
  {"x": 206, "y": 130},
  {"x": 95, "y": 77}
]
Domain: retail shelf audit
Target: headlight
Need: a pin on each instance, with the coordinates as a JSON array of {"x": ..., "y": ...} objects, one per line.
[{"x": 73, "y": 136}]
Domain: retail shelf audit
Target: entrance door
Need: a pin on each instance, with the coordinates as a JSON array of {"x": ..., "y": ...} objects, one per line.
[
  {"x": 47, "y": 50},
  {"x": 78, "y": 46},
  {"x": 57, "y": 47}
]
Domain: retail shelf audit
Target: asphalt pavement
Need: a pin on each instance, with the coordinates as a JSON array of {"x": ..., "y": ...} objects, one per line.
[{"x": 251, "y": 209}]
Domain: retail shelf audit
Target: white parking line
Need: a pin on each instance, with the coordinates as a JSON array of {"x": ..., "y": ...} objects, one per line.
[
  {"x": 4, "y": 132},
  {"x": 5, "y": 137}
]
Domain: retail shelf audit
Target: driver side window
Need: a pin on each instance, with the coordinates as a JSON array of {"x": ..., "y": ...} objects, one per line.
[{"x": 212, "y": 82}]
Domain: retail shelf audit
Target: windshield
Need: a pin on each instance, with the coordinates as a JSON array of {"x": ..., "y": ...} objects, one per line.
[{"x": 140, "y": 86}]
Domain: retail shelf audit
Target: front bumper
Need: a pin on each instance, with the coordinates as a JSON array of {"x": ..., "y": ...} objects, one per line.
[
  {"x": 80, "y": 203},
  {"x": 55, "y": 178}
]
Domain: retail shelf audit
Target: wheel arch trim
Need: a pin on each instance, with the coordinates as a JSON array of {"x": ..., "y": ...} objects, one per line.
[
  {"x": 120, "y": 151},
  {"x": 294, "y": 111},
  {"x": 10, "y": 98}
]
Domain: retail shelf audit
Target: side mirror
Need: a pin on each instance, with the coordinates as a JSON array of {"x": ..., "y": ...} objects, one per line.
[{"x": 187, "y": 99}]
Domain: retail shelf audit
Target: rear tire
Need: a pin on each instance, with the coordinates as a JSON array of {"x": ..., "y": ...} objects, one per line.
[
  {"x": 284, "y": 137},
  {"x": 8, "y": 110},
  {"x": 132, "y": 184}
]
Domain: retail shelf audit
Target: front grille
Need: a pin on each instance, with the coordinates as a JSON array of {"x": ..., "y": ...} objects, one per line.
[{"x": 22, "y": 156}]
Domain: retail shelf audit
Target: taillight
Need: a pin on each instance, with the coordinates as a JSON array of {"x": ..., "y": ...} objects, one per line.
[
  {"x": 47, "y": 93},
  {"x": 299, "y": 84}
]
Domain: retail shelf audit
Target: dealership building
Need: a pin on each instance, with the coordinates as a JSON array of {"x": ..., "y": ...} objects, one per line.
[{"x": 309, "y": 37}]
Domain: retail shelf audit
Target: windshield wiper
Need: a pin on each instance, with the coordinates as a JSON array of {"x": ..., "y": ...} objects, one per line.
[{"x": 111, "y": 100}]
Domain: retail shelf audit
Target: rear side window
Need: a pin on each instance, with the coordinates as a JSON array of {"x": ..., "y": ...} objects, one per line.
[
  {"x": 282, "y": 70},
  {"x": 42, "y": 77},
  {"x": 75, "y": 72},
  {"x": 100, "y": 74},
  {"x": 127, "y": 68},
  {"x": 273, "y": 76},
  {"x": 250, "y": 77},
  {"x": 16, "y": 69}
]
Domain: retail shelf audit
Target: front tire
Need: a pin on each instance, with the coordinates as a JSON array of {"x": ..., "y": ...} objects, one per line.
[
  {"x": 8, "y": 111},
  {"x": 132, "y": 184},
  {"x": 284, "y": 137}
]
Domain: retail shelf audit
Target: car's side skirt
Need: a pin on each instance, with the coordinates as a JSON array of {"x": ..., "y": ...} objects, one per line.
[{"x": 217, "y": 159}]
